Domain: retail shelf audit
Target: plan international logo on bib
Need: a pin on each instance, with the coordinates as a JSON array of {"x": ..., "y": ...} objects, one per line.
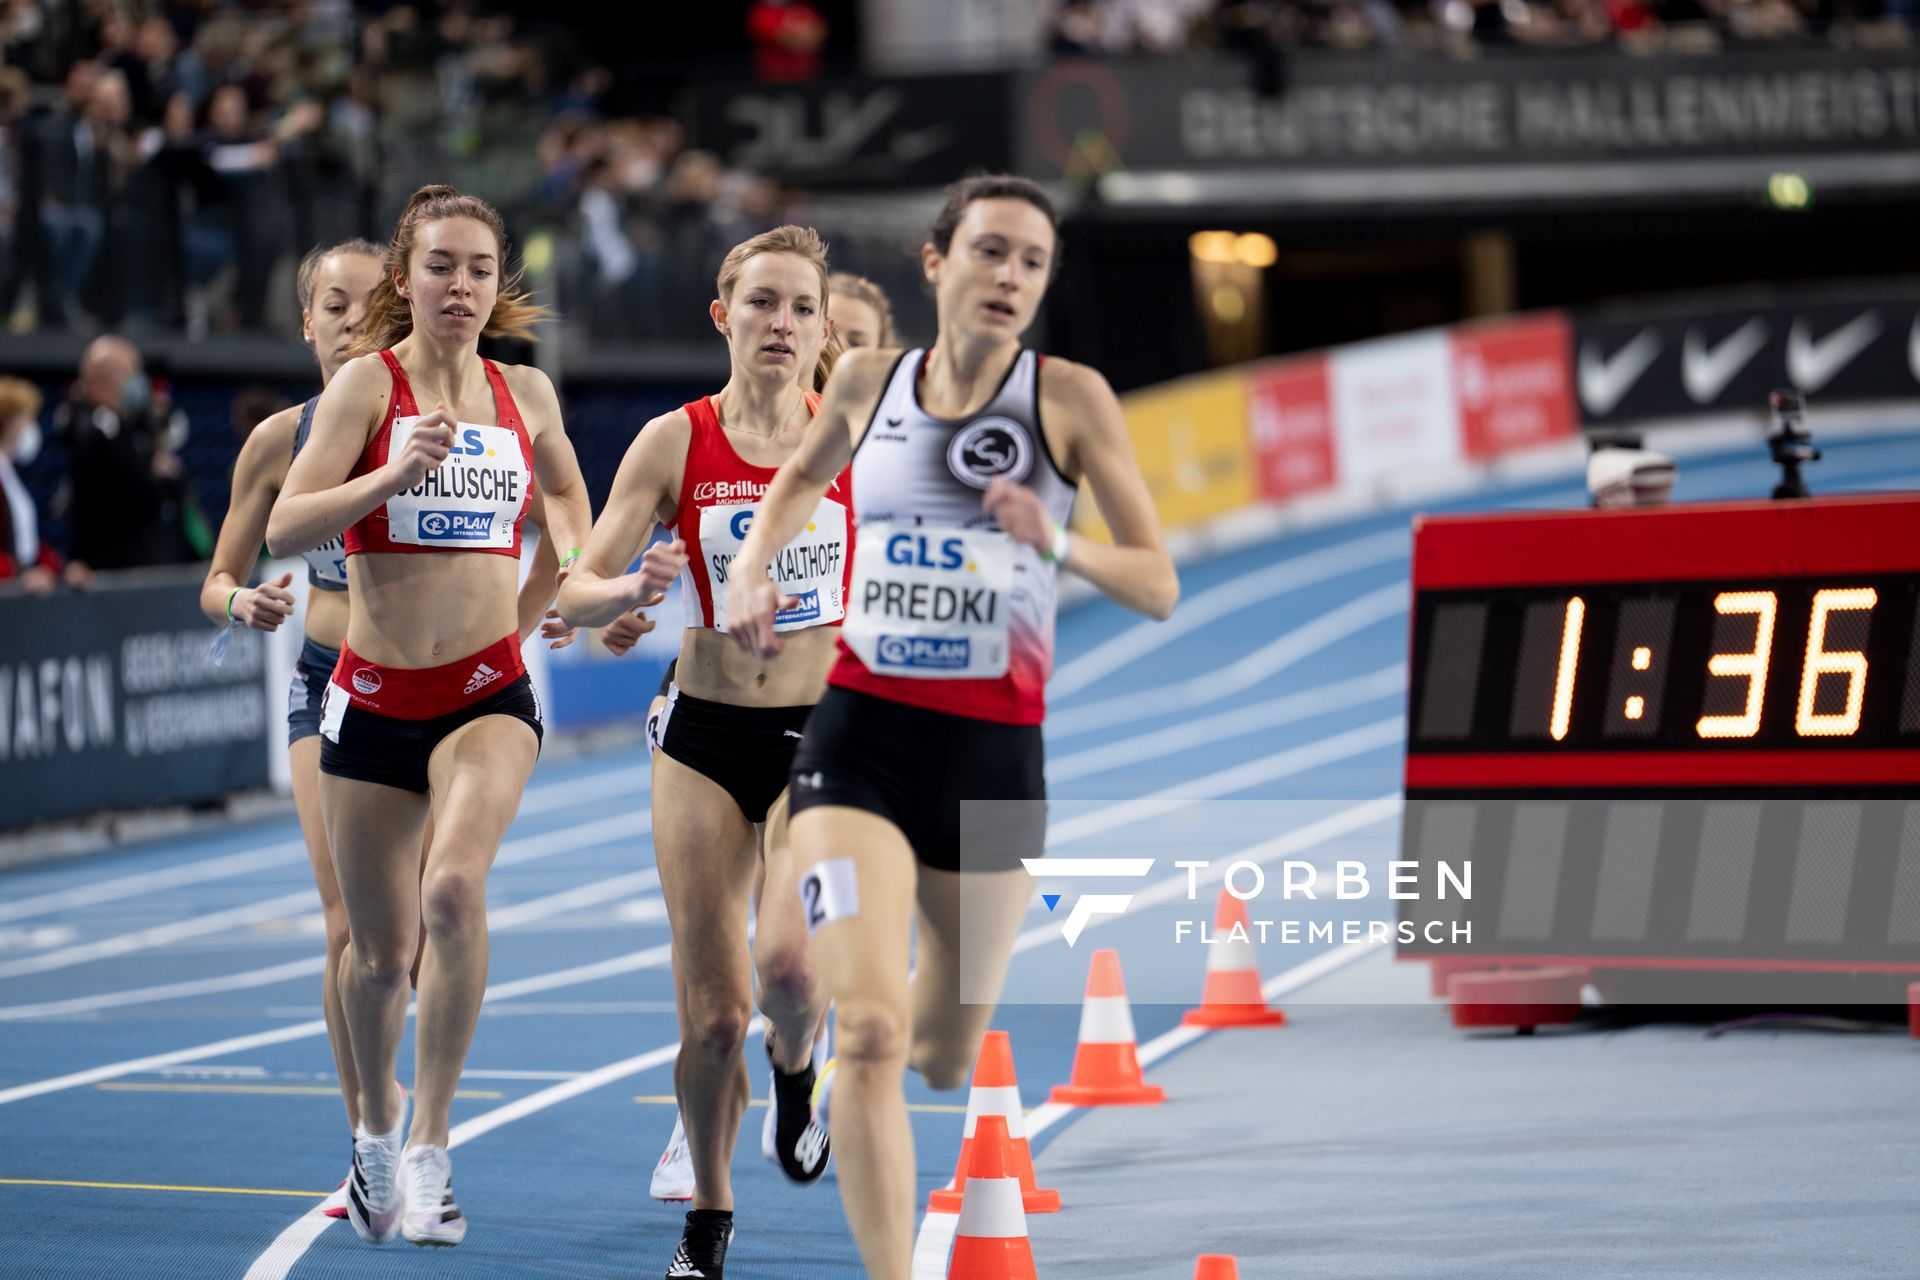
[
  {"x": 923, "y": 653},
  {"x": 456, "y": 526}
]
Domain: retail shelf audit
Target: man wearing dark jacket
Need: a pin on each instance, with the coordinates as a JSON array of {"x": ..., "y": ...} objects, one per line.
[{"x": 127, "y": 494}]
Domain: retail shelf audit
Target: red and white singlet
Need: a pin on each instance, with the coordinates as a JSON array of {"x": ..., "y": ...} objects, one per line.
[{"x": 720, "y": 493}]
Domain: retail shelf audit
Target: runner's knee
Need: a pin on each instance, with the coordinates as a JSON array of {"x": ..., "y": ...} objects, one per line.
[
  {"x": 870, "y": 1032},
  {"x": 452, "y": 901},
  {"x": 718, "y": 1027},
  {"x": 384, "y": 963},
  {"x": 786, "y": 977}
]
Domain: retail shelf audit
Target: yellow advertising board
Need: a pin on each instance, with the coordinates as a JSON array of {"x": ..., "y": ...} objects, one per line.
[{"x": 1191, "y": 439}]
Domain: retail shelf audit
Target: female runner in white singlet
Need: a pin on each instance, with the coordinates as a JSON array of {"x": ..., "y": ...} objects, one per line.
[
  {"x": 423, "y": 455},
  {"x": 732, "y": 722},
  {"x": 965, "y": 460}
]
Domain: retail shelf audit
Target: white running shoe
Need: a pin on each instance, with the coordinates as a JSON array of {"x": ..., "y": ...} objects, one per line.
[
  {"x": 335, "y": 1205},
  {"x": 431, "y": 1217},
  {"x": 376, "y": 1196},
  {"x": 673, "y": 1176},
  {"x": 823, "y": 1096}
]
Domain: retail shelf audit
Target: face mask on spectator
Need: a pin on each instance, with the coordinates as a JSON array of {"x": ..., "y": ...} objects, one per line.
[
  {"x": 26, "y": 445},
  {"x": 136, "y": 393}
]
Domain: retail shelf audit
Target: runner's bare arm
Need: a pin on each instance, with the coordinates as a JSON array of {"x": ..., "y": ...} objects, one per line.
[
  {"x": 536, "y": 593},
  {"x": 645, "y": 491},
  {"x": 569, "y": 516},
  {"x": 318, "y": 501},
  {"x": 845, "y": 410},
  {"x": 257, "y": 476},
  {"x": 1136, "y": 570}
]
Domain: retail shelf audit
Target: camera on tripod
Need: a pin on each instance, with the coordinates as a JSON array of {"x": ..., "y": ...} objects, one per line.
[{"x": 1791, "y": 443}]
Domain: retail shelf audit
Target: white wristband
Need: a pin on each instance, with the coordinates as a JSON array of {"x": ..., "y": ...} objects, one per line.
[{"x": 1062, "y": 544}]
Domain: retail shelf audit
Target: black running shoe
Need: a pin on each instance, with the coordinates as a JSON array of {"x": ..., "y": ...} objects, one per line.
[
  {"x": 799, "y": 1146},
  {"x": 703, "y": 1245}
]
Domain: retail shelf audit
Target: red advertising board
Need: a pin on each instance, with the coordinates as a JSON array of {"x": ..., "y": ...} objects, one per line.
[
  {"x": 1290, "y": 420},
  {"x": 1513, "y": 382}
]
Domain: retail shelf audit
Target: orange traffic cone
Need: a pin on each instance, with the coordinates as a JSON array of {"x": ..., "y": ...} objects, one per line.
[
  {"x": 996, "y": 1092},
  {"x": 1106, "y": 1066},
  {"x": 1216, "y": 1266},
  {"x": 990, "y": 1243},
  {"x": 1231, "y": 997}
]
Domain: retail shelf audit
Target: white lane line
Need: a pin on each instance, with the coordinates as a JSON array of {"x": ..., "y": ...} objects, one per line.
[
  {"x": 534, "y": 909},
  {"x": 526, "y": 849},
  {"x": 292, "y": 1243},
  {"x": 1377, "y": 736},
  {"x": 1217, "y": 602},
  {"x": 1276, "y": 655},
  {"x": 652, "y": 957},
  {"x": 1272, "y": 714},
  {"x": 232, "y": 864},
  {"x": 286, "y": 904},
  {"x": 540, "y": 799},
  {"x": 166, "y": 991},
  {"x": 931, "y": 1246}
]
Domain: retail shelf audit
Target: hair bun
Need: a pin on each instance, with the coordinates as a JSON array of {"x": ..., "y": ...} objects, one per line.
[{"x": 431, "y": 192}]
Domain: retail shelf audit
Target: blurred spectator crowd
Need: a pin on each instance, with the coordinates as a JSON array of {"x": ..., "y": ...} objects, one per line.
[{"x": 163, "y": 163}]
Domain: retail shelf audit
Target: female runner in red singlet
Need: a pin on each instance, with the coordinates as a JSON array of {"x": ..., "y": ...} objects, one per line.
[
  {"x": 968, "y": 458},
  {"x": 732, "y": 722},
  {"x": 334, "y": 284},
  {"x": 424, "y": 456}
]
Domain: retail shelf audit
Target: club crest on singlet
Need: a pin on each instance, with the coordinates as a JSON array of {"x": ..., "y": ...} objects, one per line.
[
  {"x": 987, "y": 449},
  {"x": 471, "y": 500}
]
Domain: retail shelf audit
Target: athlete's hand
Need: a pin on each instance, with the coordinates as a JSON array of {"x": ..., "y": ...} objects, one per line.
[
  {"x": 752, "y": 600},
  {"x": 266, "y": 606},
  {"x": 1017, "y": 510},
  {"x": 423, "y": 450},
  {"x": 658, "y": 568},
  {"x": 620, "y": 635},
  {"x": 558, "y": 631}
]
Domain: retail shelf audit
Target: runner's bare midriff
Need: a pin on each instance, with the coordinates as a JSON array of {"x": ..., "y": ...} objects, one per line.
[
  {"x": 428, "y": 610},
  {"x": 714, "y": 667},
  {"x": 326, "y": 617}
]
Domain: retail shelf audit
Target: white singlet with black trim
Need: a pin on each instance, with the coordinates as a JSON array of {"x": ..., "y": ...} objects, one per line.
[{"x": 946, "y": 611}]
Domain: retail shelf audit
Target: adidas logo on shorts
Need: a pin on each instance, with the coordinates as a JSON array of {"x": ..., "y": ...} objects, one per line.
[{"x": 483, "y": 675}]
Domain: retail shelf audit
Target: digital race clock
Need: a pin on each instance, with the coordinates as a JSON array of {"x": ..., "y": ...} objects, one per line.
[{"x": 1676, "y": 737}]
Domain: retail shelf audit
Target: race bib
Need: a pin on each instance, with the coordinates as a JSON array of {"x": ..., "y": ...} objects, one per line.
[
  {"x": 471, "y": 501},
  {"x": 930, "y": 602},
  {"x": 811, "y": 568},
  {"x": 327, "y": 563}
]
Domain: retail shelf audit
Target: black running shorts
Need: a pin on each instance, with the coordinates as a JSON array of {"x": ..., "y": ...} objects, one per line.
[
  {"x": 369, "y": 747},
  {"x": 747, "y": 750},
  {"x": 913, "y": 767}
]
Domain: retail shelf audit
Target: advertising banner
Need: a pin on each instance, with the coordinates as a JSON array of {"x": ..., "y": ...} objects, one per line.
[
  {"x": 1512, "y": 380},
  {"x": 1505, "y": 112},
  {"x": 1644, "y": 364},
  {"x": 107, "y": 701},
  {"x": 907, "y": 131},
  {"x": 1290, "y": 422}
]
